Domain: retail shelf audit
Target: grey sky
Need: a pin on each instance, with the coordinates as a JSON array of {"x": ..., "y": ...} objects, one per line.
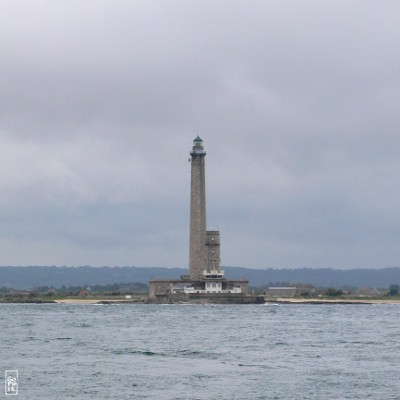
[{"x": 296, "y": 101}]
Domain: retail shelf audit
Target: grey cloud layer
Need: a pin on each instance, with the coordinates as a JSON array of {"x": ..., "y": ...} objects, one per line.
[{"x": 296, "y": 102}]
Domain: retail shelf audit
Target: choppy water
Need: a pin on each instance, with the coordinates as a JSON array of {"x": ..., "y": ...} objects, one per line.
[{"x": 202, "y": 352}]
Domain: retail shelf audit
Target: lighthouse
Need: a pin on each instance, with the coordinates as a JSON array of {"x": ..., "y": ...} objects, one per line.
[
  {"x": 204, "y": 245},
  {"x": 206, "y": 281},
  {"x": 198, "y": 222}
]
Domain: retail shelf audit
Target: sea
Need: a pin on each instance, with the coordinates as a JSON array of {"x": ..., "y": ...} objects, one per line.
[{"x": 140, "y": 351}]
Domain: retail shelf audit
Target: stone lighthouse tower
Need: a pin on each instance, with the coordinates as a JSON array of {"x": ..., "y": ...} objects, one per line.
[
  {"x": 198, "y": 225},
  {"x": 206, "y": 281},
  {"x": 204, "y": 246}
]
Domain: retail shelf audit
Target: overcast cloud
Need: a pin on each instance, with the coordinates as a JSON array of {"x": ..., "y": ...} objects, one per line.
[{"x": 297, "y": 103}]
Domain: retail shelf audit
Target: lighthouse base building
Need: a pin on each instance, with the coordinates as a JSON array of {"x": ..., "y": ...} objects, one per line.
[{"x": 206, "y": 282}]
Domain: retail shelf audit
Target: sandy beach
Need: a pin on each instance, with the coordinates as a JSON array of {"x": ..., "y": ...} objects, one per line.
[
  {"x": 89, "y": 301},
  {"x": 332, "y": 301}
]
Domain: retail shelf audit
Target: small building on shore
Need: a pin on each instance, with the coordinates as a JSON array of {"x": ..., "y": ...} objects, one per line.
[{"x": 281, "y": 291}]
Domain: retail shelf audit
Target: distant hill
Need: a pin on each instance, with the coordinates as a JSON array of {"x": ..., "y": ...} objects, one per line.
[{"x": 28, "y": 277}]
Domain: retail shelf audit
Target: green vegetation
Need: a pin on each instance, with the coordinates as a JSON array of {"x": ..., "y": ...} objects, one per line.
[
  {"x": 332, "y": 292},
  {"x": 45, "y": 294},
  {"x": 307, "y": 292}
]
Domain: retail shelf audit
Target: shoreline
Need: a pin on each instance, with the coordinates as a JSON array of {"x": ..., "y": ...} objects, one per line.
[
  {"x": 279, "y": 300},
  {"x": 96, "y": 301},
  {"x": 267, "y": 301}
]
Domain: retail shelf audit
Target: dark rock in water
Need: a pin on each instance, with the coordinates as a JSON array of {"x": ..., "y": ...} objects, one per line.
[{"x": 260, "y": 300}]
